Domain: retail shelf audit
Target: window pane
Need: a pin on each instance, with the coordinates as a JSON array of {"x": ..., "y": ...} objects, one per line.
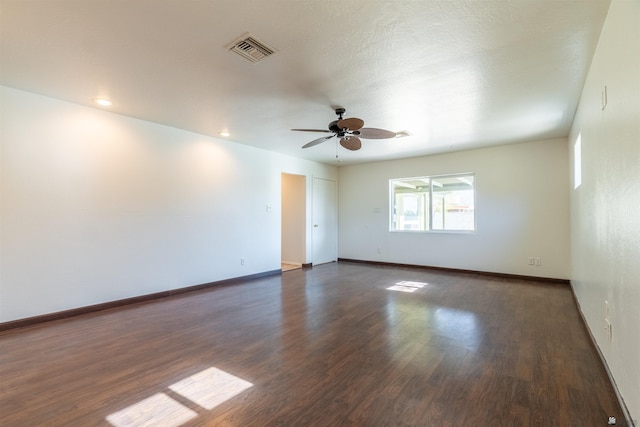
[
  {"x": 453, "y": 203},
  {"x": 410, "y": 205},
  {"x": 411, "y": 211}
]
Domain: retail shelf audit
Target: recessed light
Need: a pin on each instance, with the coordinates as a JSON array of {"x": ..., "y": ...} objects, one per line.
[
  {"x": 102, "y": 101},
  {"x": 225, "y": 134}
]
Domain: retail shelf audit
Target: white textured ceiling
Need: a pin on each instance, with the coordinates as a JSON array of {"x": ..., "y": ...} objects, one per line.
[{"x": 455, "y": 74}]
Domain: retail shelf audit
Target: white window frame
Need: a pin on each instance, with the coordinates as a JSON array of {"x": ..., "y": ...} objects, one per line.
[{"x": 425, "y": 218}]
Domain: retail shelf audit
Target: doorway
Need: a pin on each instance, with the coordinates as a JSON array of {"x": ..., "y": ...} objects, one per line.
[{"x": 294, "y": 218}]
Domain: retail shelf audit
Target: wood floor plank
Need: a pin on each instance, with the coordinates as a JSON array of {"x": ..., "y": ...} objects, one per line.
[{"x": 339, "y": 344}]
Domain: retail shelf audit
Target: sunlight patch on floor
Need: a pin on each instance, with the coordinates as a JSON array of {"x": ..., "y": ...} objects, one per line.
[
  {"x": 406, "y": 286},
  {"x": 210, "y": 387},
  {"x": 156, "y": 410},
  {"x": 207, "y": 389}
]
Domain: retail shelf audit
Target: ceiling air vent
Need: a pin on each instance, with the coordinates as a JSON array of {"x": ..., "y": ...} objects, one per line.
[{"x": 251, "y": 48}]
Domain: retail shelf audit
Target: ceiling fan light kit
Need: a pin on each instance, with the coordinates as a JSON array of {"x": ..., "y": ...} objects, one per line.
[{"x": 349, "y": 130}]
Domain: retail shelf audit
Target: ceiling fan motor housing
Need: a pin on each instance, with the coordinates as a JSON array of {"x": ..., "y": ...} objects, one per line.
[{"x": 333, "y": 126}]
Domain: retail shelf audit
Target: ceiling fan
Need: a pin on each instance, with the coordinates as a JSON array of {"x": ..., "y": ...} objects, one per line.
[{"x": 349, "y": 131}]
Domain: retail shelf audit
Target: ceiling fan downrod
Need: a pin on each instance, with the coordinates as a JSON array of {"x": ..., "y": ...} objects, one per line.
[{"x": 333, "y": 126}]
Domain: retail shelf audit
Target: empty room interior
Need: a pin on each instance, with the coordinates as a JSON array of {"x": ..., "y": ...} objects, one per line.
[{"x": 319, "y": 213}]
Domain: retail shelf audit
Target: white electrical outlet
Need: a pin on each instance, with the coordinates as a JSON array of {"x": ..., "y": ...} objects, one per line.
[
  {"x": 538, "y": 261},
  {"x": 531, "y": 261},
  {"x": 242, "y": 261}
]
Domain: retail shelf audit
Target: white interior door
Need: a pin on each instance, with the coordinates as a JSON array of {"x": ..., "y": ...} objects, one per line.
[{"x": 325, "y": 221}]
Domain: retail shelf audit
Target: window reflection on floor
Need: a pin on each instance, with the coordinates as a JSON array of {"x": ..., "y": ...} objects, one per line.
[
  {"x": 419, "y": 320},
  {"x": 458, "y": 325}
]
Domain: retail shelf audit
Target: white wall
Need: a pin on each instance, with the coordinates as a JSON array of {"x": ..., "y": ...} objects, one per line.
[
  {"x": 605, "y": 208},
  {"x": 522, "y": 210},
  {"x": 96, "y": 207}
]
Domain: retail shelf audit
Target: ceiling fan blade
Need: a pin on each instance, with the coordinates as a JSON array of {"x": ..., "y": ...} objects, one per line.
[
  {"x": 351, "y": 142},
  {"x": 352, "y": 123},
  {"x": 373, "y": 133},
  {"x": 312, "y": 130},
  {"x": 317, "y": 141}
]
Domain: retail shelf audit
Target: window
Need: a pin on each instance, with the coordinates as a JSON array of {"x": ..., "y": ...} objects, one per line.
[
  {"x": 577, "y": 162},
  {"x": 433, "y": 203}
]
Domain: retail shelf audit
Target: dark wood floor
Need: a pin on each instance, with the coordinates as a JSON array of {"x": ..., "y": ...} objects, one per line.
[{"x": 328, "y": 346}]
